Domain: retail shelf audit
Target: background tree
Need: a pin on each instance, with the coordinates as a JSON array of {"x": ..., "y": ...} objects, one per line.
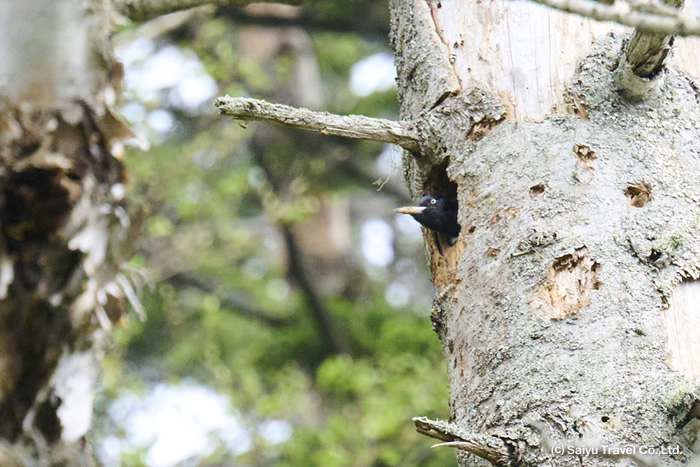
[{"x": 65, "y": 227}]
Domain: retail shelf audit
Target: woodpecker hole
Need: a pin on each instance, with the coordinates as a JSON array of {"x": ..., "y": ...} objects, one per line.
[
  {"x": 445, "y": 251},
  {"x": 438, "y": 183},
  {"x": 536, "y": 190},
  {"x": 655, "y": 255},
  {"x": 638, "y": 194},
  {"x": 46, "y": 419},
  {"x": 585, "y": 155},
  {"x": 605, "y": 419}
]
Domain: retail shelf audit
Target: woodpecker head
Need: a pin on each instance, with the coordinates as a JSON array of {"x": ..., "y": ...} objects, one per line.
[{"x": 436, "y": 213}]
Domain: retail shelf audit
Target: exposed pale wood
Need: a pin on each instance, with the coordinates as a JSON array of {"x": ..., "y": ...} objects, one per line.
[
  {"x": 526, "y": 53},
  {"x": 685, "y": 49},
  {"x": 571, "y": 279},
  {"x": 523, "y": 52},
  {"x": 682, "y": 319}
]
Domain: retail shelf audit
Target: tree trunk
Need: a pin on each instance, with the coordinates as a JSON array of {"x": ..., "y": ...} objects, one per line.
[
  {"x": 567, "y": 309},
  {"x": 64, "y": 225}
]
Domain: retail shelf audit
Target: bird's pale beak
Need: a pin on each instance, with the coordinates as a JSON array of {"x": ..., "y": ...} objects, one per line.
[{"x": 410, "y": 209}]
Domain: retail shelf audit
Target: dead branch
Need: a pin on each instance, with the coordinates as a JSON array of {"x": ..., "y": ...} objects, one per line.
[
  {"x": 658, "y": 22},
  {"x": 403, "y": 134}
]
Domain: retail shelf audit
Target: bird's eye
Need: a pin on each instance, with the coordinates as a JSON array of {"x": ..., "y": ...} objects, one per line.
[{"x": 433, "y": 201}]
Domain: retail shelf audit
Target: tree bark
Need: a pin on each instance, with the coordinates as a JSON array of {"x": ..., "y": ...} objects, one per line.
[
  {"x": 566, "y": 309},
  {"x": 65, "y": 227}
]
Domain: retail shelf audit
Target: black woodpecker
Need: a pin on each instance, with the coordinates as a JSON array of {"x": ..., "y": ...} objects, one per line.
[{"x": 436, "y": 213}]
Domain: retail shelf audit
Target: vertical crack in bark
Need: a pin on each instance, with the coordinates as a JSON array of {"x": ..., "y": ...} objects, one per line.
[
  {"x": 450, "y": 56},
  {"x": 567, "y": 288},
  {"x": 423, "y": 69}
]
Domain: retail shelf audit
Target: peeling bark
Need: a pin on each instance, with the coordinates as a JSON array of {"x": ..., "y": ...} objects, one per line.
[{"x": 65, "y": 227}]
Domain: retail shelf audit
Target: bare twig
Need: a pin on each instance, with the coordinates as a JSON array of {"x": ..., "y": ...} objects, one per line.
[
  {"x": 491, "y": 448},
  {"x": 366, "y": 176},
  {"x": 374, "y": 25},
  {"x": 403, "y": 134},
  {"x": 141, "y": 10},
  {"x": 239, "y": 12},
  {"x": 621, "y": 12},
  {"x": 158, "y": 26}
]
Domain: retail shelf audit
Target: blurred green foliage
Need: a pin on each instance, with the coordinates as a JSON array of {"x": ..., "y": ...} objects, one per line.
[{"x": 223, "y": 307}]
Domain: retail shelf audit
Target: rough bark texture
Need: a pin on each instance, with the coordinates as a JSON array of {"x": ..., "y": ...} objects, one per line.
[
  {"x": 560, "y": 326},
  {"x": 578, "y": 230},
  {"x": 65, "y": 227}
]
